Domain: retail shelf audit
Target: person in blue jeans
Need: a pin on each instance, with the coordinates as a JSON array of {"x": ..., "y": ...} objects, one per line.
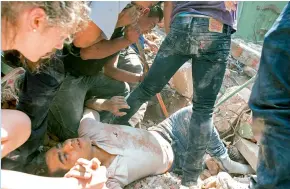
[
  {"x": 130, "y": 154},
  {"x": 200, "y": 31},
  {"x": 270, "y": 103}
]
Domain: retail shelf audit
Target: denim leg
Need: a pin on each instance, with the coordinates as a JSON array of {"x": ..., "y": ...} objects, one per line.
[
  {"x": 105, "y": 87},
  {"x": 270, "y": 103},
  {"x": 130, "y": 61},
  {"x": 175, "y": 129},
  {"x": 207, "y": 80},
  {"x": 66, "y": 109},
  {"x": 36, "y": 95},
  {"x": 166, "y": 63}
]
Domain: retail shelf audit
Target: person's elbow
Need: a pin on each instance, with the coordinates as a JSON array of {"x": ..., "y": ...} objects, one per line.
[
  {"x": 87, "y": 54},
  {"x": 110, "y": 71}
]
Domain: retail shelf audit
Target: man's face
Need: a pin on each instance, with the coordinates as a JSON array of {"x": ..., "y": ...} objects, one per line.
[
  {"x": 65, "y": 155},
  {"x": 146, "y": 23}
]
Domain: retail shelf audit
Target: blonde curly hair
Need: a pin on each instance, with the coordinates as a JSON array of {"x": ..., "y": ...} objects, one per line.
[{"x": 70, "y": 15}]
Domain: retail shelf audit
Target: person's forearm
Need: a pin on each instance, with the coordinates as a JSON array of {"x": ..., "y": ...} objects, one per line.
[
  {"x": 17, "y": 180},
  {"x": 96, "y": 104},
  {"x": 168, "y": 6},
  {"x": 104, "y": 48},
  {"x": 122, "y": 75}
]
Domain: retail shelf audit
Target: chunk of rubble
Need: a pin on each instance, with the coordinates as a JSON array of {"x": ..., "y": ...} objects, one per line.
[
  {"x": 249, "y": 150},
  {"x": 227, "y": 113},
  {"x": 182, "y": 80}
]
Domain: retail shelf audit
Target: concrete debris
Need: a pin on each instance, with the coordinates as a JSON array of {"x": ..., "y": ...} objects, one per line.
[
  {"x": 165, "y": 181},
  {"x": 245, "y": 53},
  {"x": 227, "y": 113},
  {"x": 212, "y": 166},
  {"x": 245, "y": 127},
  {"x": 182, "y": 80},
  {"x": 249, "y": 150}
]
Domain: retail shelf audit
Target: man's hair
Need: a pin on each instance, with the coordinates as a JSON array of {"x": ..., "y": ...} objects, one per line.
[
  {"x": 156, "y": 11},
  {"x": 38, "y": 166}
]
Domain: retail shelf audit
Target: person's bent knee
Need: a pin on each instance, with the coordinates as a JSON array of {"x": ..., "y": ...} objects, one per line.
[
  {"x": 24, "y": 125},
  {"x": 15, "y": 121},
  {"x": 16, "y": 127}
]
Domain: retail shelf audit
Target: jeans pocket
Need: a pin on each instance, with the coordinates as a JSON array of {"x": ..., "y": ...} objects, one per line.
[{"x": 182, "y": 42}]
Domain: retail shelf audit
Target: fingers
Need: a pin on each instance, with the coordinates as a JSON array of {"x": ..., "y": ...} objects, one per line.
[
  {"x": 95, "y": 163},
  {"x": 78, "y": 174},
  {"x": 122, "y": 106},
  {"x": 83, "y": 168},
  {"x": 86, "y": 163},
  {"x": 82, "y": 161},
  {"x": 119, "y": 102},
  {"x": 119, "y": 114}
]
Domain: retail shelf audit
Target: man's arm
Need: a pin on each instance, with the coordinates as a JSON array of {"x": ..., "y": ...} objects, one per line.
[
  {"x": 111, "y": 70},
  {"x": 106, "y": 48},
  {"x": 168, "y": 6},
  {"x": 89, "y": 36}
]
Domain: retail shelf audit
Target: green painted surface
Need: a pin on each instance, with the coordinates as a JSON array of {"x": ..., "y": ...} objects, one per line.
[{"x": 255, "y": 18}]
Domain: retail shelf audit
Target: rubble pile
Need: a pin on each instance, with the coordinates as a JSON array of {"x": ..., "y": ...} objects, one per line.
[{"x": 165, "y": 181}]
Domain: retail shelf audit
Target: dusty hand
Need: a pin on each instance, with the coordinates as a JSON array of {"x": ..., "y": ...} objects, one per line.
[
  {"x": 153, "y": 47},
  {"x": 132, "y": 34},
  {"x": 115, "y": 104},
  {"x": 89, "y": 174}
]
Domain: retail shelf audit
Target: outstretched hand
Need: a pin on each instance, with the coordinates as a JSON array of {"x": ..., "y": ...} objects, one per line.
[{"x": 90, "y": 174}]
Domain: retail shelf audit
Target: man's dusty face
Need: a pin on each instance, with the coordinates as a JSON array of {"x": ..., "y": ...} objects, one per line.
[
  {"x": 65, "y": 155},
  {"x": 146, "y": 24}
]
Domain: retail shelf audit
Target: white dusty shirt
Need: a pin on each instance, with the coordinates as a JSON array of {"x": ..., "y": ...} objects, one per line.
[
  {"x": 105, "y": 15},
  {"x": 139, "y": 153}
]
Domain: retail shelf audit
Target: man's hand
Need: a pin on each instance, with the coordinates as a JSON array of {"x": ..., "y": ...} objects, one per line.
[
  {"x": 132, "y": 34},
  {"x": 153, "y": 47},
  {"x": 90, "y": 174},
  {"x": 115, "y": 104}
]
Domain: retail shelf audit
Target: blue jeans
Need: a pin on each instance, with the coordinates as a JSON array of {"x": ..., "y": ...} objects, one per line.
[
  {"x": 39, "y": 89},
  {"x": 175, "y": 128},
  {"x": 189, "y": 38},
  {"x": 66, "y": 109},
  {"x": 270, "y": 103}
]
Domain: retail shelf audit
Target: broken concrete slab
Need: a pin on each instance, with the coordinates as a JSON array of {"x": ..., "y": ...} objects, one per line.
[
  {"x": 226, "y": 113},
  {"x": 182, "y": 80},
  {"x": 249, "y": 150},
  {"x": 245, "y": 53}
]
